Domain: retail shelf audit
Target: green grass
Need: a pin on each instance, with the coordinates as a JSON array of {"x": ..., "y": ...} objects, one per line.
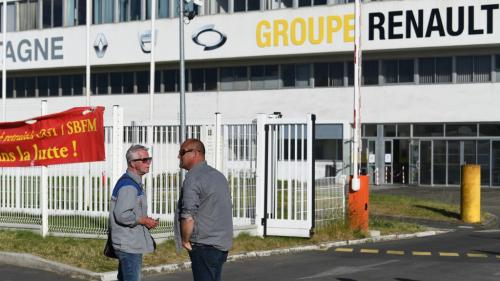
[
  {"x": 87, "y": 253},
  {"x": 406, "y": 206}
]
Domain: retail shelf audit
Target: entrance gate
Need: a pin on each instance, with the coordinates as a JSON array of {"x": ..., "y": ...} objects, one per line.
[{"x": 288, "y": 177}]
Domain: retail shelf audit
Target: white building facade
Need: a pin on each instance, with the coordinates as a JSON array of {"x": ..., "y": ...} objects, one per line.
[{"x": 431, "y": 73}]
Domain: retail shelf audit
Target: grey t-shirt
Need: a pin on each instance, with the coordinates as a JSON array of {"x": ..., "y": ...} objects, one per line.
[{"x": 206, "y": 198}]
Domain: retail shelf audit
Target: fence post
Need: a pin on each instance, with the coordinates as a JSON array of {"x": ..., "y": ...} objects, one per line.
[
  {"x": 260, "y": 174},
  {"x": 117, "y": 145},
  {"x": 311, "y": 136},
  {"x": 44, "y": 188},
  {"x": 218, "y": 142}
]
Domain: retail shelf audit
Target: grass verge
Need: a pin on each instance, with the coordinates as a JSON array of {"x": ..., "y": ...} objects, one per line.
[
  {"x": 87, "y": 253},
  {"x": 407, "y": 206}
]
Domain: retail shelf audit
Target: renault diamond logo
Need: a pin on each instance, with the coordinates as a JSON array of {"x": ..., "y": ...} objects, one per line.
[
  {"x": 145, "y": 40},
  {"x": 209, "y": 37},
  {"x": 100, "y": 45}
]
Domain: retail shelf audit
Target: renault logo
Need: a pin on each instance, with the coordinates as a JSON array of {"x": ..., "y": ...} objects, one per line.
[
  {"x": 212, "y": 39},
  {"x": 145, "y": 40},
  {"x": 100, "y": 45}
]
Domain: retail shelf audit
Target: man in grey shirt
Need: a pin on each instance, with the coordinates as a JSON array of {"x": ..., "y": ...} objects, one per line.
[
  {"x": 205, "y": 215},
  {"x": 128, "y": 220}
]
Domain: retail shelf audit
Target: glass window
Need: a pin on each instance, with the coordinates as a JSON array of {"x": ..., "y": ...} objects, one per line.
[
  {"x": 53, "y": 86},
  {"x": 464, "y": 69},
  {"x": 11, "y": 18},
  {"x": 403, "y": 130},
  {"x": 328, "y": 143},
  {"x": 93, "y": 81},
  {"x": 303, "y": 74},
  {"x": 57, "y": 13},
  {"x": 428, "y": 130},
  {"x": 439, "y": 147},
  {"x": 240, "y": 78},
  {"x": 69, "y": 15},
  {"x": 271, "y": 79},
  {"x": 104, "y": 10},
  {"x": 497, "y": 67},
  {"x": 27, "y": 14},
  {"x": 286, "y": 4},
  {"x": 406, "y": 71},
  {"x": 461, "y": 130},
  {"x": 321, "y": 75},
  {"x": 350, "y": 73},
  {"x": 482, "y": 68},
  {"x": 78, "y": 84},
  {"x": 163, "y": 8},
  {"x": 128, "y": 82},
  {"x": 305, "y": 3},
  {"x": 43, "y": 86},
  {"x": 66, "y": 85},
  {"x": 82, "y": 11},
  {"x": 483, "y": 159},
  {"x": 142, "y": 82},
  {"x": 210, "y": 79},
  {"x": 158, "y": 82},
  {"x": 19, "y": 86},
  {"x": 288, "y": 75},
  {"x": 197, "y": 77},
  {"x": 426, "y": 70},
  {"x": 495, "y": 161},
  {"x": 257, "y": 77},
  {"x": 223, "y": 6},
  {"x": 389, "y": 130},
  {"x": 443, "y": 70},
  {"x": 337, "y": 74},
  {"x": 370, "y": 72},
  {"x": 170, "y": 77},
  {"x": 30, "y": 86},
  {"x": 102, "y": 83},
  {"x": 115, "y": 79},
  {"x": 319, "y": 2},
  {"x": 370, "y": 130},
  {"x": 240, "y": 5},
  {"x": 253, "y": 5},
  {"x": 10, "y": 89},
  {"x": 489, "y": 130},
  {"x": 453, "y": 162},
  {"x": 390, "y": 71}
]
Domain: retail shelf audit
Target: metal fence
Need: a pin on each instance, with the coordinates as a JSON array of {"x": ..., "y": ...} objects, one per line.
[
  {"x": 330, "y": 200},
  {"x": 76, "y": 196}
]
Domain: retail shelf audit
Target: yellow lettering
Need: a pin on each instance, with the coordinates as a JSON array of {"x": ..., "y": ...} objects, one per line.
[
  {"x": 348, "y": 28},
  {"x": 263, "y": 37},
  {"x": 301, "y": 23},
  {"x": 280, "y": 30},
  {"x": 320, "y": 32},
  {"x": 331, "y": 28},
  {"x": 63, "y": 152}
]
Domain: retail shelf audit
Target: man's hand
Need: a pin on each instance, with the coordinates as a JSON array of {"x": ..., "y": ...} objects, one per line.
[
  {"x": 148, "y": 222},
  {"x": 187, "y": 245}
]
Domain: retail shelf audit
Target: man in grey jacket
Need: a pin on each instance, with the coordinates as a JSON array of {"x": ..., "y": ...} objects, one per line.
[
  {"x": 128, "y": 220},
  {"x": 204, "y": 210}
]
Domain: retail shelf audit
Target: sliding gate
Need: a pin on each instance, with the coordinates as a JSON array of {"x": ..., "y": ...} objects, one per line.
[{"x": 289, "y": 177}]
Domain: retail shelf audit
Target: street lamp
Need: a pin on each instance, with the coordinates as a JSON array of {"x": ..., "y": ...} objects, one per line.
[{"x": 182, "y": 93}]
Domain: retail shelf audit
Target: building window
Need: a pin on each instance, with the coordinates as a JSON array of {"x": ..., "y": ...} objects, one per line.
[
  {"x": 28, "y": 15},
  {"x": 435, "y": 70},
  {"x": 204, "y": 79},
  {"x": 10, "y": 87},
  {"x": 329, "y": 74},
  {"x": 130, "y": 10},
  {"x": 246, "y": 5},
  {"x": 142, "y": 82},
  {"x": 398, "y": 71},
  {"x": 295, "y": 75},
  {"x": 74, "y": 12},
  {"x": 264, "y": 77},
  {"x": 370, "y": 72},
  {"x": 233, "y": 78},
  {"x": 461, "y": 130},
  {"x": 43, "y": 86},
  {"x": 162, "y": 9},
  {"x": 115, "y": 81},
  {"x": 497, "y": 67},
  {"x": 328, "y": 143},
  {"x": 11, "y": 18},
  {"x": 428, "y": 130},
  {"x": 464, "y": 65},
  {"x": 444, "y": 70},
  {"x": 369, "y": 130},
  {"x": 482, "y": 68},
  {"x": 280, "y": 4},
  {"x": 305, "y": 3},
  {"x": 487, "y": 130},
  {"x": 104, "y": 10},
  {"x": 128, "y": 82}
]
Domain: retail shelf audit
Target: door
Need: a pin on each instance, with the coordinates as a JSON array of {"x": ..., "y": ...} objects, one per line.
[
  {"x": 388, "y": 160},
  {"x": 400, "y": 150},
  {"x": 289, "y": 178},
  {"x": 459, "y": 153},
  {"x": 414, "y": 164}
]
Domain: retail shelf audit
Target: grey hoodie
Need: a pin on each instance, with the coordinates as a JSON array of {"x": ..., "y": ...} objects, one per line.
[{"x": 124, "y": 212}]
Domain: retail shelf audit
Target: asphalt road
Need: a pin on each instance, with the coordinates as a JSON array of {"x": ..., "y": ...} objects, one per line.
[
  {"x": 15, "y": 273},
  {"x": 460, "y": 255}
]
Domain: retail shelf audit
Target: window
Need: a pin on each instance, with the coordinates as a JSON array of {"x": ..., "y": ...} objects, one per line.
[
  {"x": 104, "y": 10},
  {"x": 443, "y": 70},
  {"x": 497, "y": 67},
  {"x": 328, "y": 143},
  {"x": 162, "y": 9},
  {"x": 99, "y": 83},
  {"x": 461, "y": 130},
  {"x": 370, "y": 72},
  {"x": 30, "y": 86},
  {"x": 204, "y": 79},
  {"x": 10, "y": 89},
  {"x": 303, "y": 74},
  {"x": 369, "y": 130},
  {"x": 406, "y": 71},
  {"x": 115, "y": 81},
  {"x": 130, "y": 10},
  {"x": 142, "y": 82},
  {"x": 403, "y": 130},
  {"x": 427, "y": 130},
  {"x": 11, "y": 18},
  {"x": 43, "y": 86},
  {"x": 170, "y": 78},
  {"x": 390, "y": 70},
  {"x": 319, "y": 2},
  {"x": 464, "y": 66},
  {"x": 197, "y": 79},
  {"x": 487, "y": 130},
  {"x": 305, "y": 3},
  {"x": 321, "y": 75},
  {"x": 329, "y": 74},
  {"x": 397, "y": 71},
  {"x": 426, "y": 70},
  {"x": 128, "y": 82},
  {"x": 482, "y": 68},
  {"x": 66, "y": 85},
  {"x": 53, "y": 86},
  {"x": 78, "y": 84},
  {"x": 390, "y": 130},
  {"x": 233, "y": 78},
  {"x": 264, "y": 77},
  {"x": 27, "y": 14}
]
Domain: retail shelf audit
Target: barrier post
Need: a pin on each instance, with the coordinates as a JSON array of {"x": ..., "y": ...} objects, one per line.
[
  {"x": 358, "y": 204},
  {"x": 470, "y": 207}
]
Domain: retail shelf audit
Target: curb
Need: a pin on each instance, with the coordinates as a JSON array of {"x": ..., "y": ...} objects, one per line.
[
  {"x": 31, "y": 261},
  {"x": 490, "y": 223}
]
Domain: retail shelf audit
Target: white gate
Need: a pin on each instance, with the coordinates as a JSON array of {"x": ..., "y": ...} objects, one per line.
[{"x": 288, "y": 177}]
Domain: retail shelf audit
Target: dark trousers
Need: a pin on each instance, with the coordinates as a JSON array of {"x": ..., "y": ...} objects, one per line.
[{"x": 206, "y": 262}]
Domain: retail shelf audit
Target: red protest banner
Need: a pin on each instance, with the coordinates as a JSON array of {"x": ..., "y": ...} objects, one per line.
[{"x": 75, "y": 135}]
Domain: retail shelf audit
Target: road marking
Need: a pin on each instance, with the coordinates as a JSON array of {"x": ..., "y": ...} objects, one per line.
[
  {"x": 369, "y": 251},
  {"x": 344, "y": 250},
  {"x": 422, "y": 253},
  {"x": 448, "y": 254},
  {"x": 392, "y": 252},
  {"x": 474, "y": 255},
  {"x": 465, "y": 227},
  {"x": 498, "y": 256}
]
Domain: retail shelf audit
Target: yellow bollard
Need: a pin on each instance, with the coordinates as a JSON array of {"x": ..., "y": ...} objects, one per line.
[{"x": 470, "y": 208}]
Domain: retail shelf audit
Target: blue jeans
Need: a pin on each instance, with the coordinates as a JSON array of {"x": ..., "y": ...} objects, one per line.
[
  {"x": 206, "y": 262},
  {"x": 129, "y": 266}
]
